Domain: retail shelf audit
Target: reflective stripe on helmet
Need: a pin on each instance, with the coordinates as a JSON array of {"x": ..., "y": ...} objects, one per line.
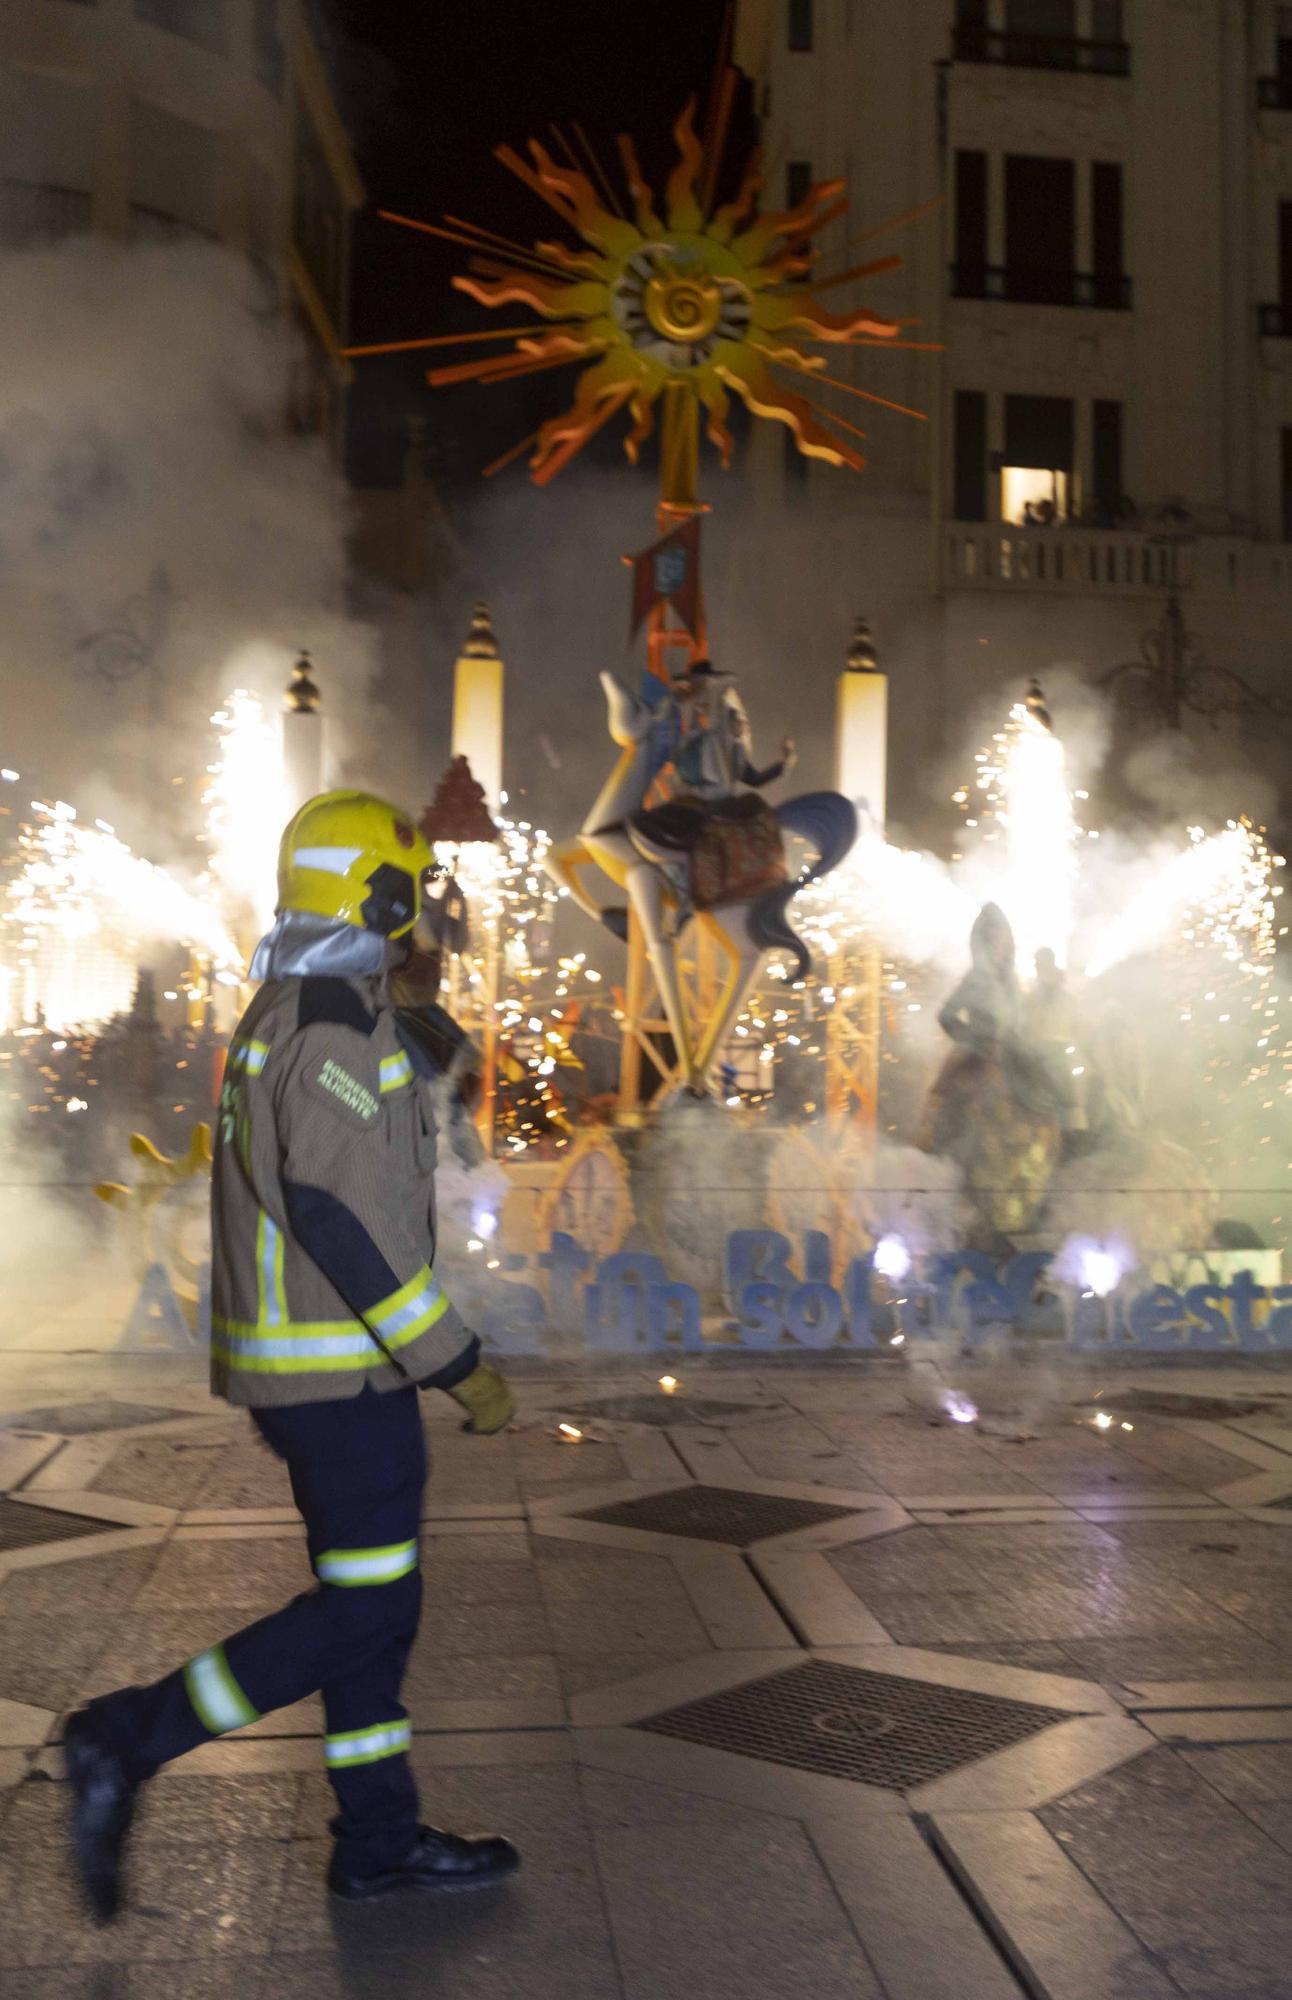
[
  {"x": 219, "y": 1701},
  {"x": 353, "y": 1567},
  {"x": 366, "y": 1746},
  {"x": 331, "y": 860}
]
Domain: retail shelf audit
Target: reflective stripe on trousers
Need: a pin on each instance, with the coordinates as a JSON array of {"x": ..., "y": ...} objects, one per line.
[
  {"x": 351, "y": 1567},
  {"x": 366, "y": 1746},
  {"x": 220, "y": 1703}
]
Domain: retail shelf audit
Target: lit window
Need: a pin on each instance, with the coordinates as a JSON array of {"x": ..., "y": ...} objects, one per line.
[{"x": 1033, "y": 496}]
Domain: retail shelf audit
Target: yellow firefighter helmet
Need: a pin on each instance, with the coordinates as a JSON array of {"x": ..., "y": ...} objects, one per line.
[{"x": 357, "y": 859}]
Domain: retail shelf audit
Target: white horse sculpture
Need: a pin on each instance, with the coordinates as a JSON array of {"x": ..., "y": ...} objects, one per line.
[{"x": 745, "y": 931}]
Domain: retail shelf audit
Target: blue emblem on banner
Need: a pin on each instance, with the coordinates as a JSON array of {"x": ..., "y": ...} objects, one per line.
[{"x": 670, "y": 571}]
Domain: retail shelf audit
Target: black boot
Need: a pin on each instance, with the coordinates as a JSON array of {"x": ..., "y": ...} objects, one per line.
[
  {"x": 437, "y": 1861},
  {"x": 103, "y": 1804}
]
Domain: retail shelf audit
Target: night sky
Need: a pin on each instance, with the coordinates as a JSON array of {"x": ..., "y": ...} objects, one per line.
[{"x": 429, "y": 91}]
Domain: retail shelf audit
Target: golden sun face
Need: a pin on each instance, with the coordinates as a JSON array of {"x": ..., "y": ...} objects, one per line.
[{"x": 700, "y": 299}]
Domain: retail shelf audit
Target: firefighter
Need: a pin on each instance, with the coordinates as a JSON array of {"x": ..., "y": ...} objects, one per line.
[{"x": 326, "y": 1320}]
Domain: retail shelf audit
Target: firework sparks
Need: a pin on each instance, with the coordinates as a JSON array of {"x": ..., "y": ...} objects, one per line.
[
  {"x": 247, "y": 805},
  {"x": 1217, "y": 891},
  {"x": 81, "y": 911}
]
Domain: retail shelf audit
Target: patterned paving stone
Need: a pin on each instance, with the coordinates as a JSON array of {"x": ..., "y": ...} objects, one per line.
[
  {"x": 142, "y": 1649},
  {"x": 189, "y": 1900},
  {"x": 661, "y": 1411},
  {"x": 1179, "y": 1656},
  {"x": 1035, "y": 1581},
  {"x": 580, "y": 1673},
  {"x": 246, "y": 1474},
  {"x": 439, "y": 1676},
  {"x": 732, "y": 1932},
  {"x": 1201, "y": 1885},
  {"x": 234, "y": 1573},
  {"x": 550, "y": 1915},
  {"x": 166, "y": 1472}
]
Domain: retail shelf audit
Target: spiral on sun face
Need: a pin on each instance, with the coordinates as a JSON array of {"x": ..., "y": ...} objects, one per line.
[
  {"x": 676, "y": 315},
  {"x": 683, "y": 308}
]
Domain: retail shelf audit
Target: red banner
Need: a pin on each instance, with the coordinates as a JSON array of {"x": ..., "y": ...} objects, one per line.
[{"x": 669, "y": 573}]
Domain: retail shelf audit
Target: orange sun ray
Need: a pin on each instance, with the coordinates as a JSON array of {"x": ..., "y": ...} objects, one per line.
[
  {"x": 499, "y": 370},
  {"x": 900, "y": 221},
  {"x": 647, "y": 220},
  {"x": 597, "y": 168},
  {"x": 563, "y": 301},
  {"x": 439, "y": 340},
  {"x": 524, "y": 172},
  {"x": 679, "y": 196},
  {"x": 871, "y": 270},
  {"x": 509, "y": 456},
  {"x": 748, "y": 375},
  {"x": 532, "y": 250},
  {"x": 716, "y": 144},
  {"x": 758, "y": 239},
  {"x": 599, "y": 396},
  {"x": 865, "y": 395},
  {"x": 453, "y": 236},
  {"x": 733, "y": 213}
]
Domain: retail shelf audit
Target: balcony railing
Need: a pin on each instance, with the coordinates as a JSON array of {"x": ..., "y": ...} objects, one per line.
[
  {"x": 1042, "y": 288},
  {"x": 1275, "y": 322},
  {"x": 1274, "y": 93},
  {"x": 1023, "y": 51},
  {"x": 1113, "y": 562}
]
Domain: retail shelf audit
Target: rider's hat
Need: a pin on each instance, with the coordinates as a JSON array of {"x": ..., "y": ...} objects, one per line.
[{"x": 704, "y": 672}]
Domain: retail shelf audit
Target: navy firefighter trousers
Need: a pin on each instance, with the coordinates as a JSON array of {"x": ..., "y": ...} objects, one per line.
[{"x": 358, "y": 1468}]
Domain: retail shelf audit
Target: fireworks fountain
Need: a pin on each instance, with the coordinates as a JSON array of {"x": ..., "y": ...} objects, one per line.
[{"x": 79, "y": 912}]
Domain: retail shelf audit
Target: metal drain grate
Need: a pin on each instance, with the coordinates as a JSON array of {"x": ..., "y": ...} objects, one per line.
[
  {"x": 717, "y": 1514},
  {"x": 27, "y": 1527},
  {"x": 845, "y": 1722},
  {"x": 662, "y": 1410},
  {"x": 75, "y": 1419}
]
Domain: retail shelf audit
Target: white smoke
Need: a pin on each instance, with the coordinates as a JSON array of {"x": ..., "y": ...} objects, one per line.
[{"x": 156, "y": 519}]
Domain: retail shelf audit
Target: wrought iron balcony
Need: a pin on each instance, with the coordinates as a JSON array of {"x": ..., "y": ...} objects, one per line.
[
  {"x": 1041, "y": 288},
  {"x": 1023, "y": 51}
]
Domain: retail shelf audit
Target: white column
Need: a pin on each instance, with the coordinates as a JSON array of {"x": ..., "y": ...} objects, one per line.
[
  {"x": 478, "y": 707},
  {"x": 861, "y": 732},
  {"x": 302, "y": 737}
]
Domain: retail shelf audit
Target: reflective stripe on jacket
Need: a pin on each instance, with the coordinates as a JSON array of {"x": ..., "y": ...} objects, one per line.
[{"x": 323, "y": 1217}]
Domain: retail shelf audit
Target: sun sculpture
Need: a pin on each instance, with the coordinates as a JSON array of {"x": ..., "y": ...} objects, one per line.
[{"x": 681, "y": 305}]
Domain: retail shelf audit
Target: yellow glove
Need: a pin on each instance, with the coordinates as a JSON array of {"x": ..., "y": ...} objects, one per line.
[{"x": 486, "y": 1399}]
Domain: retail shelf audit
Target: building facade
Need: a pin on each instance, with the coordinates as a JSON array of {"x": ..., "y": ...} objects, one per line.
[
  {"x": 169, "y": 119},
  {"x": 1107, "y": 269}
]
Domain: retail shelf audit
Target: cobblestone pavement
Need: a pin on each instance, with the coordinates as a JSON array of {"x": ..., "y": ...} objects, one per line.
[{"x": 783, "y": 1684}]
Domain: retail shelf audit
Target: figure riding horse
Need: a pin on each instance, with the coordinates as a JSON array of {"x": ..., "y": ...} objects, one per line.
[{"x": 674, "y": 860}]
